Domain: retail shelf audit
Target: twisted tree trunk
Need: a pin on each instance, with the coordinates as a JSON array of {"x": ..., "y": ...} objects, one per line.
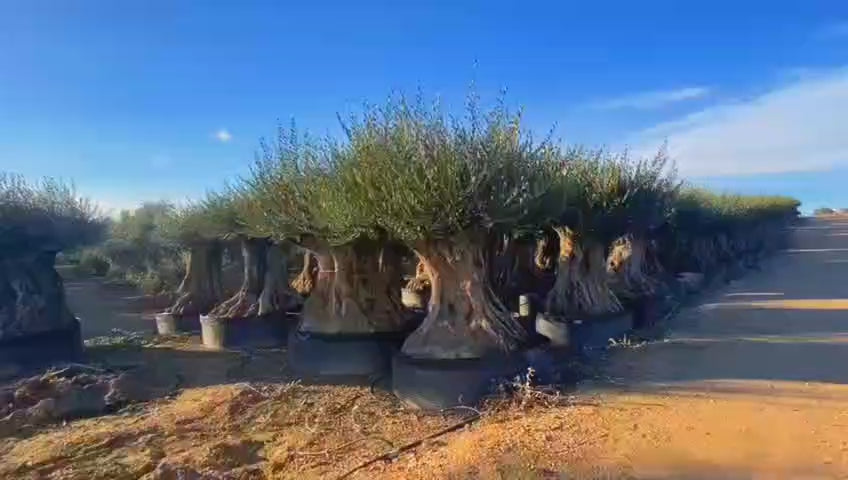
[
  {"x": 264, "y": 288},
  {"x": 356, "y": 290},
  {"x": 245, "y": 302},
  {"x": 277, "y": 295},
  {"x": 581, "y": 285},
  {"x": 201, "y": 287},
  {"x": 465, "y": 319}
]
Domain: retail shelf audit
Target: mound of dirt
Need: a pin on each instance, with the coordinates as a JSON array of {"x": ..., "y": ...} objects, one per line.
[{"x": 66, "y": 393}]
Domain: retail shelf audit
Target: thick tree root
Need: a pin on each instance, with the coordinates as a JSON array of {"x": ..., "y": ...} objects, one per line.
[{"x": 241, "y": 305}]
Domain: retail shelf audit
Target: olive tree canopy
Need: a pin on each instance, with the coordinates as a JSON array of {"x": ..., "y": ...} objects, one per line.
[{"x": 45, "y": 215}]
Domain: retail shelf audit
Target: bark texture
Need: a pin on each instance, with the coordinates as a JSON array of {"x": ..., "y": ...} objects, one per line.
[
  {"x": 277, "y": 295},
  {"x": 305, "y": 280},
  {"x": 356, "y": 291},
  {"x": 630, "y": 270},
  {"x": 32, "y": 297},
  {"x": 581, "y": 286},
  {"x": 465, "y": 319},
  {"x": 201, "y": 287}
]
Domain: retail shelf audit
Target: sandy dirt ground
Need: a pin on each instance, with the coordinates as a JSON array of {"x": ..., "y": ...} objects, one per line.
[
  {"x": 751, "y": 383},
  {"x": 102, "y": 306}
]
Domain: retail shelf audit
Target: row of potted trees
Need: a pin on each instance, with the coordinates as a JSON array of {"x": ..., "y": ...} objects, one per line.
[{"x": 484, "y": 214}]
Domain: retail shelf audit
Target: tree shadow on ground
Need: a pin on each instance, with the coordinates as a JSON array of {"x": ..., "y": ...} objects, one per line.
[{"x": 190, "y": 366}]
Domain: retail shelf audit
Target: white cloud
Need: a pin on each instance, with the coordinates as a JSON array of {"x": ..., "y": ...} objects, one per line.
[
  {"x": 223, "y": 135},
  {"x": 798, "y": 127},
  {"x": 651, "y": 100}
]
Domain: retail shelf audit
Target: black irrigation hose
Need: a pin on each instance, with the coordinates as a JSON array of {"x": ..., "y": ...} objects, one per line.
[{"x": 397, "y": 451}]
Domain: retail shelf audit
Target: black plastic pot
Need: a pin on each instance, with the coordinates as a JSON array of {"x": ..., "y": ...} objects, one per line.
[
  {"x": 581, "y": 335},
  {"x": 171, "y": 324},
  {"x": 43, "y": 348},
  {"x": 336, "y": 356},
  {"x": 267, "y": 331},
  {"x": 436, "y": 384}
]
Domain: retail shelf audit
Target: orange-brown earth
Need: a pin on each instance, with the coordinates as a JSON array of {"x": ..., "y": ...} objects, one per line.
[{"x": 753, "y": 383}]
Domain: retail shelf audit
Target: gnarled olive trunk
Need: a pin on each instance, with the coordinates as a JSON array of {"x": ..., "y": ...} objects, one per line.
[
  {"x": 356, "y": 290},
  {"x": 201, "y": 287},
  {"x": 581, "y": 285},
  {"x": 32, "y": 297},
  {"x": 264, "y": 287},
  {"x": 465, "y": 319},
  {"x": 305, "y": 280},
  {"x": 501, "y": 258},
  {"x": 246, "y": 300},
  {"x": 628, "y": 266}
]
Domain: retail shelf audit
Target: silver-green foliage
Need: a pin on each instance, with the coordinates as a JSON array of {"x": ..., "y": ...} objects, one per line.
[
  {"x": 45, "y": 215},
  {"x": 609, "y": 195},
  {"x": 422, "y": 175}
]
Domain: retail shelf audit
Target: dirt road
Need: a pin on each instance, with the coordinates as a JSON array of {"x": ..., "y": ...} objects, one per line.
[
  {"x": 102, "y": 307},
  {"x": 753, "y": 383}
]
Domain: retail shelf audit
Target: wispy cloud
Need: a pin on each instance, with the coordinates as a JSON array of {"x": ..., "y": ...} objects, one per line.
[
  {"x": 796, "y": 127},
  {"x": 652, "y": 100},
  {"x": 833, "y": 30},
  {"x": 223, "y": 135}
]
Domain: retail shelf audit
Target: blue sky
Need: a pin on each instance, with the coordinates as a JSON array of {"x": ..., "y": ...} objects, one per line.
[{"x": 163, "y": 99}]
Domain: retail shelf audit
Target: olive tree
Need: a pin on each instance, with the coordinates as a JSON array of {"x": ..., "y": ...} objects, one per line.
[
  {"x": 307, "y": 191},
  {"x": 450, "y": 189},
  {"x": 198, "y": 228},
  {"x": 595, "y": 185},
  {"x": 38, "y": 220},
  {"x": 648, "y": 193},
  {"x": 265, "y": 288}
]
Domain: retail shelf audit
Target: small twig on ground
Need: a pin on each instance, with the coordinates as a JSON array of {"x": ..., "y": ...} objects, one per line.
[
  {"x": 345, "y": 445},
  {"x": 397, "y": 451}
]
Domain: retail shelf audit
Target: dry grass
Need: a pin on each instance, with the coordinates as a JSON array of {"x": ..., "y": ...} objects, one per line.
[
  {"x": 281, "y": 431},
  {"x": 290, "y": 430}
]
